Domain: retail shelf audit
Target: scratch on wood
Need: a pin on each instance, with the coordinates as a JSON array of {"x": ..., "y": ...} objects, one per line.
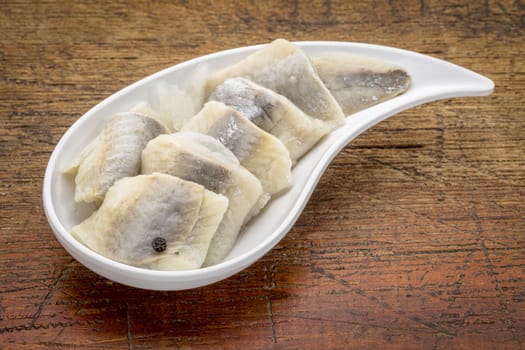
[
  {"x": 131, "y": 336},
  {"x": 431, "y": 325},
  {"x": 408, "y": 146},
  {"x": 272, "y": 322},
  {"x": 354, "y": 323},
  {"x": 48, "y": 296},
  {"x": 348, "y": 285},
  {"x": 28, "y": 327},
  {"x": 410, "y": 172},
  {"x": 59, "y": 333},
  {"x": 509, "y": 321},
  {"x": 491, "y": 271},
  {"x": 393, "y": 11},
  {"x": 295, "y": 11},
  {"x": 383, "y": 304},
  {"x": 269, "y": 277},
  {"x": 327, "y": 4}
]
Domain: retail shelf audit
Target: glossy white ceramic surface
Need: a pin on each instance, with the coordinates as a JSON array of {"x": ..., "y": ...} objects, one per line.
[{"x": 432, "y": 79}]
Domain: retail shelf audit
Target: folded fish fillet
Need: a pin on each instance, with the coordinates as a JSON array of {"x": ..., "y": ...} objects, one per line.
[
  {"x": 202, "y": 159},
  {"x": 258, "y": 151},
  {"x": 360, "y": 82},
  {"x": 155, "y": 221},
  {"x": 115, "y": 153},
  {"x": 285, "y": 69},
  {"x": 273, "y": 113}
]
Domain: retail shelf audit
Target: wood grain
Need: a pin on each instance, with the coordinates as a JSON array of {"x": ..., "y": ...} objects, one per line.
[{"x": 414, "y": 238}]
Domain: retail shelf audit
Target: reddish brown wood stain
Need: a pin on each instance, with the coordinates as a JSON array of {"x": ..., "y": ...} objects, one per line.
[{"x": 414, "y": 238}]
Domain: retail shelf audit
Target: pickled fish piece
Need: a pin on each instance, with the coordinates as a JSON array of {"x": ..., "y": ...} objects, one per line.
[
  {"x": 115, "y": 153},
  {"x": 359, "y": 82},
  {"x": 273, "y": 113},
  {"x": 155, "y": 221},
  {"x": 202, "y": 159},
  {"x": 258, "y": 151},
  {"x": 285, "y": 69}
]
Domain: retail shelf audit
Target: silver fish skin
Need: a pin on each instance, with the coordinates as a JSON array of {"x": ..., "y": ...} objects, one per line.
[
  {"x": 258, "y": 151},
  {"x": 154, "y": 221},
  {"x": 287, "y": 70},
  {"x": 202, "y": 159},
  {"x": 273, "y": 113},
  {"x": 359, "y": 82},
  {"x": 115, "y": 153}
]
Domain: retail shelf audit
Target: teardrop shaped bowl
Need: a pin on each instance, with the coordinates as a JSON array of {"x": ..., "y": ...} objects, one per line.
[{"x": 432, "y": 79}]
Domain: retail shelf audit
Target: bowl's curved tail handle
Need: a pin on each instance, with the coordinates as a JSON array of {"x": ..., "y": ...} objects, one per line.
[
  {"x": 431, "y": 79},
  {"x": 436, "y": 79}
]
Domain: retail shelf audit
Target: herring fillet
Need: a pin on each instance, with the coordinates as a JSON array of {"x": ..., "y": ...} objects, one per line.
[
  {"x": 115, "y": 153},
  {"x": 273, "y": 113},
  {"x": 138, "y": 209},
  {"x": 284, "y": 68},
  {"x": 359, "y": 82},
  {"x": 194, "y": 249},
  {"x": 258, "y": 151},
  {"x": 202, "y": 159}
]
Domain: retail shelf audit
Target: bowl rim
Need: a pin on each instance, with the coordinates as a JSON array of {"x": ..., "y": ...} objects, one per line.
[{"x": 170, "y": 280}]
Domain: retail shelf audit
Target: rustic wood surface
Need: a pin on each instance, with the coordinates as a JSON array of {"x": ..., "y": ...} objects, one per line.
[{"x": 414, "y": 238}]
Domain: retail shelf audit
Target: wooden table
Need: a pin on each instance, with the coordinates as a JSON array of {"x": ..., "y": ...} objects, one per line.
[{"x": 414, "y": 238}]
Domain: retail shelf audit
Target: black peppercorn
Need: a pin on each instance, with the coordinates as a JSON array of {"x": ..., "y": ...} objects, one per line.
[{"x": 159, "y": 244}]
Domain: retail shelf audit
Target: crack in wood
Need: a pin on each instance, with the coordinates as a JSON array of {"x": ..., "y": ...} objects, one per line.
[
  {"x": 272, "y": 321},
  {"x": 29, "y": 326},
  {"x": 130, "y": 334},
  {"x": 509, "y": 321},
  {"x": 48, "y": 296},
  {"x": 383, "y": 304},
  {"x": 422, "y": 7}
]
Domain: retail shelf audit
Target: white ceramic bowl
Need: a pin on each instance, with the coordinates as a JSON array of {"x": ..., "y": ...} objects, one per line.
[{"x": 432, "y": 79}]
